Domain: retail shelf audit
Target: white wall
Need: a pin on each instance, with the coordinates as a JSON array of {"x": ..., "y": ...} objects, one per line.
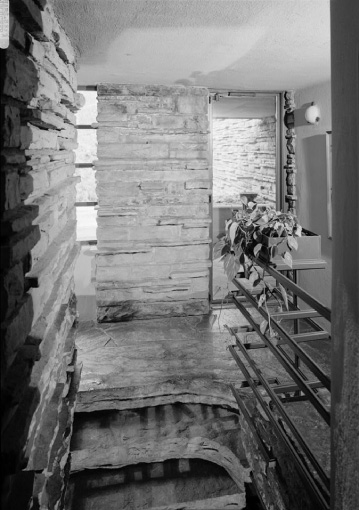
[{"x": 312, "y": 183}]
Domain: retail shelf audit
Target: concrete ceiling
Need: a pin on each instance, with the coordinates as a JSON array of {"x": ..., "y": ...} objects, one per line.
[{"x": 237, "y": 44}]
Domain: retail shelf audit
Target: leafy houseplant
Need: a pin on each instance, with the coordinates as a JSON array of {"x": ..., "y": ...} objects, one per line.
[{"x": 258, "y": 231}]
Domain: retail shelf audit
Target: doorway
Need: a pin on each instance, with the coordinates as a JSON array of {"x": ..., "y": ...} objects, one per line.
[{"x": 246, "y": 160}]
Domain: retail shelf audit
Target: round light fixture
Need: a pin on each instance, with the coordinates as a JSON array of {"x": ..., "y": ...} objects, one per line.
[{"x": 312, "y": 114}]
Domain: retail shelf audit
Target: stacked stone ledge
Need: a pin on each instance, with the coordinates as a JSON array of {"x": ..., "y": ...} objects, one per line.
[
  {"x": 38, "y": 253},
  {"x": 153, "y": 188},
  {"x": 244, "y": 159}
]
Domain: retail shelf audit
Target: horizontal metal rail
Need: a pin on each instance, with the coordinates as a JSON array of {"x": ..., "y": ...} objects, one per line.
[
  {"x": 296, "y": 314},
  {"x": 296, "y": 434},
  {"x": 292, "y": 371},
  {"x": 289, "y": 388},
  {"x": 86, "y": 204},
  {"x": 317, "y": 371},
  {"x": 302, "y": 337},
  {"x": 323, "y": 310},
  {"x": 84, "y": 165},
  {"x": 307, "y": 477},
  {"x": 87, "y": 126},
  {"x": 87, "y": 87}
]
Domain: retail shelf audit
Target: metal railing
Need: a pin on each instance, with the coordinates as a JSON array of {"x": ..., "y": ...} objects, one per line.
[{"x": 286, "y": 348}]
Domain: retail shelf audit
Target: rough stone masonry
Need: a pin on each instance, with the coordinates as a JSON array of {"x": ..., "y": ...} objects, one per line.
[
  {"x": 153, "y": 187},
  {"x": 38, "y": 254}
]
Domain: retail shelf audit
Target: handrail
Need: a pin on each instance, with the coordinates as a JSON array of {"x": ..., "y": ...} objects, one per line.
[
  {"x": 323, "y": 310},
  {"x": 314, "y": 478},
  {"x": 296, "y": 348},
  {"x": 278, "y": 405}
]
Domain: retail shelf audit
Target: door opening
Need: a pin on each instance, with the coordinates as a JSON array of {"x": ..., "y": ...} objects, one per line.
[{"x": 246, "y": 160}]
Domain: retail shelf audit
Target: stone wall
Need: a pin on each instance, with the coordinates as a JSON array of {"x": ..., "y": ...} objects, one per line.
[
  {"x": 244, "y": 159},
  {"x": 38, "y": 254},
  {"x": 153, "y": 188}
]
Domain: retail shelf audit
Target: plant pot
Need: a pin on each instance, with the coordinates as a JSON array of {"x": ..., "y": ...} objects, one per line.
[{"x": 309, "y": 247}]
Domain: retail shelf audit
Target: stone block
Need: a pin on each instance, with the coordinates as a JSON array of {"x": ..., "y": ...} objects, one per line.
[
  {"x": 43, "y": 119},
  {"x": 133, "y": 151},
  {"x": 33, "y": 183},
  {"x": 47, "y": 379},
  {"x": 36, "y": 49},
  {"x": 66, "y": 144},
  {"x": 12, "y": 157},
  {"x": 111, "y": 110},
  {"x": 9, "y": 188},
  {"x": 63, "y": 43},
  {"x": 31, "y": 17},
  {"x": 125, "y": 190},
  {"x": 106, "y": 89},
  {"x": 47, "y": 86},
  {"x": 195, "y": 234},
  {"x": 12, "y": 289},
  {"x": 188, "y": 151},
  {"x": 192, "y": 104},
  {"x": 67, "y": 95},
  {"x": 15, "y": 330},
  {"x": 17, "y": 34},
  {"x": 47, "y": 265},
  {"x": 174, "y": 292},
  {"x": 158, "y": 178},
  {"x": 33, "y": 138},
  {"x": 58, "y": 198},
  {"x": 174, "y": 165},
  {"x": 161, "y": 233},
  {"x": 26, "y": 185},
  {"x": 60, "y": 293},
  {"x": 18, "y": 219},
  {"x": 20, "y": 76},
  {"x": 10, "y": 126},
  {"x": 198, "y": 184},
  {"x": 60, "y": 173},
  {"x": 154, "y": 277},
  {"x": 129, "y": 310},
  {"x": 156, "y": 255},
  {"x": 18, "y": 246},
  {"x": 68, "y": 132}
]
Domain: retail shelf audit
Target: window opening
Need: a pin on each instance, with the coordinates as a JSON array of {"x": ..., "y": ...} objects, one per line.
[
  {"x": 86, "y": 204},
  {"x": 86, "y": 155}
]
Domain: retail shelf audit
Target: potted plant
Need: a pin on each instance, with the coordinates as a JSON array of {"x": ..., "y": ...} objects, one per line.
[{"x": 259, "y": 231}]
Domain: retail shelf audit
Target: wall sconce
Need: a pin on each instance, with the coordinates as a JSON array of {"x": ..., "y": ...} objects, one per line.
[{"x": 312, "y": 114}]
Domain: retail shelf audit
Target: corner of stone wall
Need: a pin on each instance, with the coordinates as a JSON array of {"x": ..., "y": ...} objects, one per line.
[{"x": 38, "y": 254}]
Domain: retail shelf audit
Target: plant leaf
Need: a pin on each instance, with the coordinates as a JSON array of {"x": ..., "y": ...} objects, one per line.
[
  {"x": 256, "y": 249},
  {"x": 284, "y": 295},
  {"x": 287, "y": 258},
  {"x": 261, "y": 300},
  {"x": 292, "y": 243},
  {"x": 263, "y": 326},
  {"x": 298, "y": 230},
  {"x": 232, "y": 231},
  {"x": 253, "y": 276},
  {"x": 217, "y": 248},
  {"x": 225, "y": 249}
]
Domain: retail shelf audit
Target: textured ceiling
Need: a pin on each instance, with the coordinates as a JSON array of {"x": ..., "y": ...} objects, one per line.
[{"x": 238, "y": 44}]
